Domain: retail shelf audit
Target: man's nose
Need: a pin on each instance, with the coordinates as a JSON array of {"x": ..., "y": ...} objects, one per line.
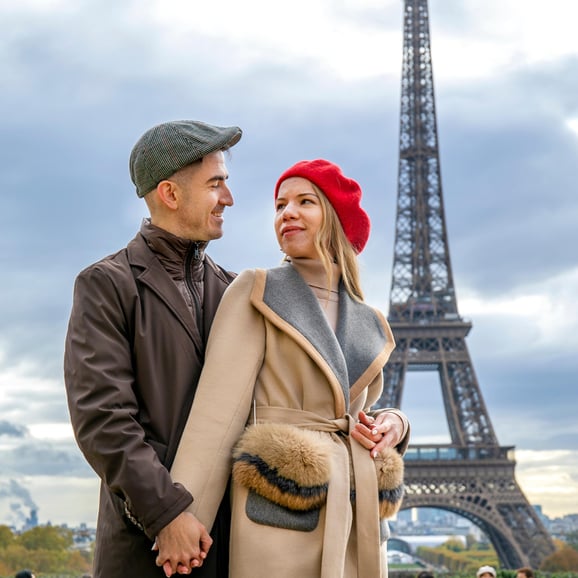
[{"x": 227, "y": 196}]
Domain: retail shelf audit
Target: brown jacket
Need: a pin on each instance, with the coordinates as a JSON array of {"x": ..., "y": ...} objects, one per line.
[
  {"x": 133, "y": 357},
  {"x": 272, "y": 347}
]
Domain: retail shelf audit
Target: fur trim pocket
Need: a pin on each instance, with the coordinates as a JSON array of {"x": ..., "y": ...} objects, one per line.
[
  {"x": 389, "y": 466},
  {"x": 284, "y": 464}
]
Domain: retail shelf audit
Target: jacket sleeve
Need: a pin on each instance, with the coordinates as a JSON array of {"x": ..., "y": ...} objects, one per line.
[
  {"x": 222, "y": 403},
  {"x": 103, "y": 405}
]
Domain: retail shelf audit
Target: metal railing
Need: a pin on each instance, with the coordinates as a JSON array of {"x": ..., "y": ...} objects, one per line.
[{"x": 444, "y": 452}]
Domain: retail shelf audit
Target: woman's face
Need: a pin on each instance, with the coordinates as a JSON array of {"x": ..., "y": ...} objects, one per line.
[{"x": 298, "y": 218}]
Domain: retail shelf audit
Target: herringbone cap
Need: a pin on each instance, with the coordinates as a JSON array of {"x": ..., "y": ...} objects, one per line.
[{"x": 168, "y": 147}]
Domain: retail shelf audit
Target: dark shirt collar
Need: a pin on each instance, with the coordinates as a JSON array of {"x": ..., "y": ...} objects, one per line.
[{"x": 171, "y": 250}]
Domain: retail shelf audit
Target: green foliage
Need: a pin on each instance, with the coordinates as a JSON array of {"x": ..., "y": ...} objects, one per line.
[
  {"x": 14, "y": 557},
  {"x": 454, "y": 544},
  {"x": 46, "y": 538},
  {"x": 393, "y": 573},
  {"x": 456, "y": 558},
  {"x": 6, "y": 536},
  {"x": 465, "y": 561},
  {"x": 565, "y": 558},
  {"x": 460, "y": 562},
  {"x": 45, "y": 549}
]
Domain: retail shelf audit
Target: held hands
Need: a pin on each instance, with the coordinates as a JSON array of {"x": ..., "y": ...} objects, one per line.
[
  {"x": 182, "y": 545},
  {"x": 375, "y": 434}
]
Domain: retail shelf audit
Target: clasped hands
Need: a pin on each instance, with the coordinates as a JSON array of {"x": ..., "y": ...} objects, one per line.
[
  {"x": 385, "y": 430},
  {"x": 182, "y": 545}
]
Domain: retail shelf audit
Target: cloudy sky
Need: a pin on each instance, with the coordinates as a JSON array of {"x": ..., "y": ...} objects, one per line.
[{"x": 81, "y": 81}]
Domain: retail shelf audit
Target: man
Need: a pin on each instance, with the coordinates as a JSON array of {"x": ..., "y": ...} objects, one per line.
[
  {"x": 135, "y": 346},
  {"x": 486, "y": 572},
  {"x": 524, "y": 573}
]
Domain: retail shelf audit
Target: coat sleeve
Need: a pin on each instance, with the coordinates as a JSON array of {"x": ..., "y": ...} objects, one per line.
[
  {"x": 376, "y": 387},
  {"x": 104, "y": 409},
  {"x": 222, "y": 403}
]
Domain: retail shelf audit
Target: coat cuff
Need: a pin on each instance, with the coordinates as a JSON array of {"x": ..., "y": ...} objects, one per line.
[{"x": 404, "y": 439}]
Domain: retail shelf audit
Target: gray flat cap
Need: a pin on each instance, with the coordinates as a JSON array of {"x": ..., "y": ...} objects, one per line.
[{"x": 166, "y": 148}]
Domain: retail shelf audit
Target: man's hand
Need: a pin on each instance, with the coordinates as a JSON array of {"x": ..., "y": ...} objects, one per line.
[
  {"x": 182, "y": 545},
  {"x": 375, "y": 434}
]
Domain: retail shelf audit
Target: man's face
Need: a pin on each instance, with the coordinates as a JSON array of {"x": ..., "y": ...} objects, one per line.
[{"x": 203, "y": 196}]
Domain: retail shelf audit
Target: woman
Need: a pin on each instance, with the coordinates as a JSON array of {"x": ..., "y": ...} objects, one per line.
[{"x": 294, "y": 360}]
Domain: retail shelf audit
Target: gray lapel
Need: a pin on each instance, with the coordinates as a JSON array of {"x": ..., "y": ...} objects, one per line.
[
  {"x": 290, "y": 297},
  {"x": 359, "y": 338},
  {"x": 360, "y": 334}
]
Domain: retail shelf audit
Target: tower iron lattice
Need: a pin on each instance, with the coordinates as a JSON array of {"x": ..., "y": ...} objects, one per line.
[{"x": 473, "y": 475}]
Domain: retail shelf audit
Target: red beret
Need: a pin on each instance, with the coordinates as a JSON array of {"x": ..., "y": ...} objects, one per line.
[{"x": 343, "y": 193}]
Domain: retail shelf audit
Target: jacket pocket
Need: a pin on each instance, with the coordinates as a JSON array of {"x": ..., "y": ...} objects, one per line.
[
  {"x": 262, "y": 511},
  {"x": 286, "y": 470}
]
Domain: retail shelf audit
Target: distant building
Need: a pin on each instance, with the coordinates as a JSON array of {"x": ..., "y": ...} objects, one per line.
[{"x": 31, "y": 521}]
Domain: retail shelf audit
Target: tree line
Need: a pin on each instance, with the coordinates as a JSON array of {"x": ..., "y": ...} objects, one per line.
[{"x": 46, "y": 550}]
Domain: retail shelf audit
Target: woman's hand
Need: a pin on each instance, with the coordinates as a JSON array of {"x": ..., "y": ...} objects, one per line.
[
  {"x": 375, "y": 434},
  {"x": 182, "y": 545}
]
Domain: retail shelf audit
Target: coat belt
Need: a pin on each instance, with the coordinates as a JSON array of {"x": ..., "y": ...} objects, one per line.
[{"x": 366, "y": 508}]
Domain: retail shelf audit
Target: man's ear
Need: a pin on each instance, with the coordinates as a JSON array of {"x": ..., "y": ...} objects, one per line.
[{"x": 167, "y": 192}]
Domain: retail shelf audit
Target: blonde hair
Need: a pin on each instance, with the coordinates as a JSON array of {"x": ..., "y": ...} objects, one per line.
[{"x": 334, "y": 247}]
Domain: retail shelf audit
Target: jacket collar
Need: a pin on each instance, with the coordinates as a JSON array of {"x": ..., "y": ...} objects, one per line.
[
  {"x": 173, "y": 251},
  {"x": 148, "y": 270}
]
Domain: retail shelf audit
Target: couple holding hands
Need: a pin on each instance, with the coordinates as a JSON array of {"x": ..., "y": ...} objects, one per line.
[{"x": 229, "y": 417}]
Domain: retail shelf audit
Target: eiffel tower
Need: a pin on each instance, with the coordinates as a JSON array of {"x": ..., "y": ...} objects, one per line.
[{"x": 472, "y": 476}]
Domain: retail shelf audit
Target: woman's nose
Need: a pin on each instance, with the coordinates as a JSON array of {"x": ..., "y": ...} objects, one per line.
[{"x": 289, "y": 211}]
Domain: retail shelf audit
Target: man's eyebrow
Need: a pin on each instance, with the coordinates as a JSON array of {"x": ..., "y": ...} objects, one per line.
[{"x": 218, "y": 178}]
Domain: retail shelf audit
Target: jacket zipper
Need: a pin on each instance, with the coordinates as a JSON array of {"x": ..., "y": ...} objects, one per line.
[{"x": 194, "y": 254}]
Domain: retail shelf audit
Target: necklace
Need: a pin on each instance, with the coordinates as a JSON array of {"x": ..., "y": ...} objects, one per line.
[{"x": 322, "y": 288}]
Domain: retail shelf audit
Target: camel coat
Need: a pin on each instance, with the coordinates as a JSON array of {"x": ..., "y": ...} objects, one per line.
[{"x": 273, "y": 357}]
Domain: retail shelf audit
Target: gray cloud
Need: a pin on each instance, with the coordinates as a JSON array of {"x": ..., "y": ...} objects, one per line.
[
  {"x": 47, "y": 458},
  {"x": 12, "y": 430},
  {"x": 50, "y": 459}
]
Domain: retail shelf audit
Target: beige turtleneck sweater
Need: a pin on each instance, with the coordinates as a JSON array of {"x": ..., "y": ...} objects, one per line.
[{"x": 314, "y": 275}]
